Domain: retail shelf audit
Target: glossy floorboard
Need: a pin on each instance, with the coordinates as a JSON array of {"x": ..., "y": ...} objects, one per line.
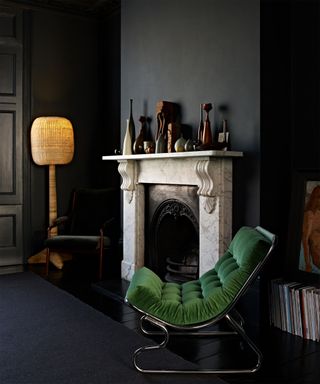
[{"x": 287, "y": 358}]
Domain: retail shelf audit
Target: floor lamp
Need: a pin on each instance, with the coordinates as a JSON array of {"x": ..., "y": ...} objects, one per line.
[{"x": 52, "y": 143}]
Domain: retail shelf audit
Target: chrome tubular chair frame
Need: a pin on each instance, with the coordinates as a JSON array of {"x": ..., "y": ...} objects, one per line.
[
  {"x": 230, "y": 314},
  {"x": 190, "y": 331}
]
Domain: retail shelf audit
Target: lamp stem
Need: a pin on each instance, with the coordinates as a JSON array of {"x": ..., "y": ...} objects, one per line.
[{"x": 52, "y": 198}]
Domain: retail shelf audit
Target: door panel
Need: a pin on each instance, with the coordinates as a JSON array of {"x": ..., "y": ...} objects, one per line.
[
  {"x": 10, "y": 155},
  {"x": 7, "y": 74},
  {"x": 7, "y": 133},
  {"x": 11, "y": 109},
  {"x": 10, "y": 235},
  {"x": 10, "y": 74},
  {"x": 10, "y": 25}
]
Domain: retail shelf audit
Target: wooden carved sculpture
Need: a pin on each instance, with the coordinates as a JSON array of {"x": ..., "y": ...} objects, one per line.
[{"x": 168, "y": 129}]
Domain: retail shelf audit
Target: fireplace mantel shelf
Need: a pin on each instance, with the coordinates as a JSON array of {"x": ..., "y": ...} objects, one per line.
[{"x": 174, "y": 155}]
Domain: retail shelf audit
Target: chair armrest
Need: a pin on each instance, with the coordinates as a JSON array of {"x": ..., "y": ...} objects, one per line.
[
  {"x": 107, "y": 223},
  {"x": 58, "y": 221},
  {"x": 145, "y": 289}
]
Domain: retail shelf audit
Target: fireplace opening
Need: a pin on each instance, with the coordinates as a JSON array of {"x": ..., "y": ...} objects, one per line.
[{"x": 172, "y": 239}]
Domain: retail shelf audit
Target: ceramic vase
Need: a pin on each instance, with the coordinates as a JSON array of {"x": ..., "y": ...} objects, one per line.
[
  {"x": 160, "y": 144},
  {"x": 138, "y": 144},
  {"x": 207, "y": 134},
  {"x": 200, "y": 128},
  {"x": 131, "y": 123},
  {"x": 127, "y": 142},
  {"x": 179, "y": 144}
]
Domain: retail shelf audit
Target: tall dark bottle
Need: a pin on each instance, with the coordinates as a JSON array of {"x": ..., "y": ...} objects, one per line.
[
  {"x": 131, "y": 125},
  {"x": 207, "y": 134},
  {"x": 200, "y": 128},
  {"x": 138, "y": 144}
]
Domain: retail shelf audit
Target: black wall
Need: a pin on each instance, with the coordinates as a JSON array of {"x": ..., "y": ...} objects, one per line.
[
  {"x": 194, "y": 52},
  {"x": 305, "y": 84},
  {"x": 67, "y": 54},
  {"x": 109, "y": 38},
  {"x": 290, "y": 41},
  {"x": 260, "y": 59},
  {"x": 276, "y": 128}
]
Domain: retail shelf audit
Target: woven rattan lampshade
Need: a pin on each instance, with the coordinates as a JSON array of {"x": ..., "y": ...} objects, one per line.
[{"x": 52, "y": 140}]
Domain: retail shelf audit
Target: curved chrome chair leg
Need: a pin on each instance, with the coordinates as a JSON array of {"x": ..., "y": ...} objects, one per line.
[
  {"x": 238, "y": 329},
  {"x": 150, "y": 347}
]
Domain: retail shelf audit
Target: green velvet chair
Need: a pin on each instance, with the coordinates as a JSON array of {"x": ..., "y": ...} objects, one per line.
[
  {"x": 91, "y": 227},
  {"x": 188, "y": 308}
]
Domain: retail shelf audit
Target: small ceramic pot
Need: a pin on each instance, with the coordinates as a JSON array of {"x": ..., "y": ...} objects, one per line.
[{"x": 148, "y": 147}]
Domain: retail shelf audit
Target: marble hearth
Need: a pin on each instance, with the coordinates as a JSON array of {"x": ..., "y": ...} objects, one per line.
[{"x": 209, "y": 171}]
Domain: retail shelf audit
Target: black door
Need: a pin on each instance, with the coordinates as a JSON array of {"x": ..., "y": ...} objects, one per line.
[{"x": 11, "y": 109}]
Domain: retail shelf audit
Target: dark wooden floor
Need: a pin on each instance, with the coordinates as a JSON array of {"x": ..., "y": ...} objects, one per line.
[{"x": 287, "y": 358}]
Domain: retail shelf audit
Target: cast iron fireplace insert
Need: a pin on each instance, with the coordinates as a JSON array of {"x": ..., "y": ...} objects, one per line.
[{"x": 172, "y": 231}]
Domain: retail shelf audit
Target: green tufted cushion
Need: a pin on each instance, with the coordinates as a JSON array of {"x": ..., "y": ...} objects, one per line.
[{"x": 203, "y": 299}]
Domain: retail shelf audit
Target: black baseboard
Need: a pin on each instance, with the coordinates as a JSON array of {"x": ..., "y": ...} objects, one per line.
[{"x": 115, "y": 289}]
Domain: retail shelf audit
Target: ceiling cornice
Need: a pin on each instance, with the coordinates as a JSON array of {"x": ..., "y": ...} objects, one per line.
[{"x": 95, "y": 8}]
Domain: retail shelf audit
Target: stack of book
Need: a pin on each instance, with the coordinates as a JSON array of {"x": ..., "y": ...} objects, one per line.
[{"x": 295, "y": 308}]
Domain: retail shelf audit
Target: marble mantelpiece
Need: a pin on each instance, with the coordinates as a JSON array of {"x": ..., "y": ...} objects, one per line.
[{"x": 210, "y": 171}]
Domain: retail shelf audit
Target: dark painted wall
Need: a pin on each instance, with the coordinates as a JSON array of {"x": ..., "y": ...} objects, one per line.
[
  {"x": 109, "y": 38},
  {"x": 305, "y": 84},
  {"x": 289, "y": 122},
  {"x": 290, "y": 133},
  {"x": 276, "y": 130},
  {"x": 259, "y": 58},
  {"x": 193, "y": 52},
  {"x": 66, "y": 80}
]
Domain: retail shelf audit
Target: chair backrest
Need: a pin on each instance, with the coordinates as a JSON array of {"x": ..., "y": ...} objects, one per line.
[
  {"x": 91, "y": 208},
  {"x": 238, "y": 267}
]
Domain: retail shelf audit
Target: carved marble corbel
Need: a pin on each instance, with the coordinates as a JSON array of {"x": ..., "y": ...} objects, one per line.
[
  {"x": 208, "y": 182},
  {"x": 127, "y": 170},
  {"x": 210, "y": 203}
]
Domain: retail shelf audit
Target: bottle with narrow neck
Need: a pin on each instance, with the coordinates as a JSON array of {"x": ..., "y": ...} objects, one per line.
[
  {"x": 131, "y": 123},
  {"x": 207, "y": 134},
  {"x": 200, "y": 128},
  {"x": 138, "y": 143},
  {"x": 223, "y": 137},
  {"x": 127, "y": 141}
]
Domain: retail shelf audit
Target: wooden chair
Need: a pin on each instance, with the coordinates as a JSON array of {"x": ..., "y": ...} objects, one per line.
[
  {"x": 189, "y": 308},
  {"x": 92, "y": 227}
]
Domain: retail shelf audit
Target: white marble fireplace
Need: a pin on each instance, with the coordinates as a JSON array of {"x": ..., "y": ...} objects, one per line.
[{"x": 209, "y": 171}]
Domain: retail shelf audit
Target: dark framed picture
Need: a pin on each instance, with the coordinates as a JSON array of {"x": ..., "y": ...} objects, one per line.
[{"x": 304, "y": 227}]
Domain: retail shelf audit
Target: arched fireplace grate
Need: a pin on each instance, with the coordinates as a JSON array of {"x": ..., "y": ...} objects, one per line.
[{"x": 174, "y": 241}]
